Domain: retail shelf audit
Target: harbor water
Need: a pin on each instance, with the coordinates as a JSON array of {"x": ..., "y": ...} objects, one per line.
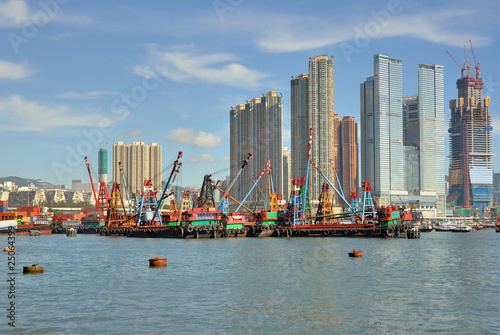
[{"x": 443, "y": 283}]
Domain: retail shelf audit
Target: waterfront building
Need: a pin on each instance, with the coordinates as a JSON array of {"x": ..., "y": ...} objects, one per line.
[
  {"x": 257, "y": 127},
  {"x": 139, "y": 162},
  {"x": 471, "y": 164},
  {"x": 316, "y": 91},
  {"x": 382, "y": 153},
  {"x": 423, "y": 129}
]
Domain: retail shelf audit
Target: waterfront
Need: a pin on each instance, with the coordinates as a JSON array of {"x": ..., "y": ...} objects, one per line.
[{"x": 444, "y": 283}]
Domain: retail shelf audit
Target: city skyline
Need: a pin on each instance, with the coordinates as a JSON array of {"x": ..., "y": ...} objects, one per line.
[{"x": 87, "y": 73}]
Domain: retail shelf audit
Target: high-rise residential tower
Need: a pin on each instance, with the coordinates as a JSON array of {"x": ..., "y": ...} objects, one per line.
[
  {"x": 382, "y": 155},
  {"x": 471, "y": 165},
  {"x": 348, "y": 152},
  {"x": 423, "y": 124},
  {"x": 319, "y": 116},
  {"x": 139, "y": 162},
  {"x": 257, "y": 128}
]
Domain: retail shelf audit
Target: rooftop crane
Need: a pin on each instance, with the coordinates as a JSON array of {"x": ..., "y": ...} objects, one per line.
[
  {"x": 461, "y": 67},
  {"x": 467, "y": 59},
  {"x": 475, "y": 61}
]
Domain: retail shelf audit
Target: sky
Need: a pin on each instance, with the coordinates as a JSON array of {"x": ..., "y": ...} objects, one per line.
[{"x": 76, "y": 76}]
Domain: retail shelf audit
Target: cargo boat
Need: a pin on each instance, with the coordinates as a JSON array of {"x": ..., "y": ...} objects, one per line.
[{"x": 201, "y": 222}]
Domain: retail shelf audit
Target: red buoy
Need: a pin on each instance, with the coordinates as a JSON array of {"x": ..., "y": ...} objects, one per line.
[
  {"x": 158, "y": 262},
  {"x": 356, "y": 253}
]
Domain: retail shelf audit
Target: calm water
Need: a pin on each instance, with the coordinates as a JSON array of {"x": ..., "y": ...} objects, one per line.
[{"x": 444, "y": 283}]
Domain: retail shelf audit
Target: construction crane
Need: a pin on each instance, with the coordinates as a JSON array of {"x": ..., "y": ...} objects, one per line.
[
  {"x": 460, "y": 67},
  {"x": 130, "y": 205},
  {"x": 170, "y": 181},
  {"x": 91, "y": 183},
  {"x": 467, "y": 59},
  {"x": 476, "y": 64},
  {"x": 266, "y": 169},
  {"x": 223, "y": 206},
  {"x": 101, "y": 198}
]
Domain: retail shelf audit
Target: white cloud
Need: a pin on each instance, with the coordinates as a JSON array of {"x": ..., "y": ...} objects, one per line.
[
  {"x": 495, "y": 123},
  {"x": 136, "y": 133},
  {"x": 199, "y": 139},
  {"x": 203, "y": 158},
  {"x": 226, "y": 158},
  {"x": 278, "y": 33},
  {"x": 18, "y": 114},
  {"x": 181, "y": 135},
  {"x": 182, "y": 66},
  {"x": 13, "y": 71},
  {"x": 203, "y": 139},
  {"x": 85, "y": 96},
  {"x": 16, "y": 14}
]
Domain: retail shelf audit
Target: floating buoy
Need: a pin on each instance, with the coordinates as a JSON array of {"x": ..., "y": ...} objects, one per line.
[
  {"x": 356, "y": 253},
  {"x": 6, "y": 249},
  {"x": 158, "y": 262},
  {"x": 35, "y": 268}
]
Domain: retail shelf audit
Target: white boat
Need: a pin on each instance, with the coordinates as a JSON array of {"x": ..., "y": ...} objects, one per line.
[
  {"x": 462, "y": 228},
  {"x": 5, "y": 224},
  {"x": 445, "y": 226}
]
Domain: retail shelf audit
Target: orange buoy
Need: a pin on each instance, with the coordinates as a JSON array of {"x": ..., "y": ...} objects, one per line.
[
  {"x": 9, "y": 249},
  {"x": 356, "y": 253},
  {"x": 35, "y": 268},
  {"x": 158, "y": 262}
]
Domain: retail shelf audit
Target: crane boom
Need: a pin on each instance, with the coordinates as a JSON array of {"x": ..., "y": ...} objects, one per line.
[
  {"x": 475, "y": 61},
  {"x": 91, "y": 183},
  {"x": 226, "y": 192},
  {"x": 175, "y": 171},
  {"x": 460, "y": 67},
  {"x": 467, "y": 59}
]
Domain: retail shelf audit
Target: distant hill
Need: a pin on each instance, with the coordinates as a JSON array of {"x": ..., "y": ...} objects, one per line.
[{"x": 26, "y": 182}]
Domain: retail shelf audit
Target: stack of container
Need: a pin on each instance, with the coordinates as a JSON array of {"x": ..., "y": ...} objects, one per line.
[{"x": 3, "y": 206}]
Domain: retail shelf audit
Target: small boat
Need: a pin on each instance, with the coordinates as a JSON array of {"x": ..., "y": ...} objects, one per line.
[
  {"x": 35, "y": 268},
  {"x": 356, "y": 253},
  {"x": 445, "y": 226},
  {"x": 34, "y": 233},
  {"x": 158, "y": 262},
  {"x": 426, "y": 228},
  {"x": 462, "y": 228}
]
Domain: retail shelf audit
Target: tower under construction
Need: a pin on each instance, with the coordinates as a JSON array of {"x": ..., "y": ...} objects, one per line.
[{"x": 471, "y": 164}]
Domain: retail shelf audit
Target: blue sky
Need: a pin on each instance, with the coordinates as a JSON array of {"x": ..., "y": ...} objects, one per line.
[{"x": 74, "y": 74}]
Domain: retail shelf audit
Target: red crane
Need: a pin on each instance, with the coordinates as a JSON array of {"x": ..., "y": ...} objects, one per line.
[
  {"x": 475, "y": 62},
  {"x": 461, "y": 67}
]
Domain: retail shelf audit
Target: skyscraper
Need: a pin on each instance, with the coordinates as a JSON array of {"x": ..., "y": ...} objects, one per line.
[
  {"x": 103, "y": 165},
  {"x": 423, "y": 124},
  {"x": 319, "y": 115},
  {"x": 471, "y": 165},
  {"x": 382, "y": 156},
  {"x": 139, "y": 162},
  {"x": 257, "y": 128},
  {"x": 348, "y": 166}
]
